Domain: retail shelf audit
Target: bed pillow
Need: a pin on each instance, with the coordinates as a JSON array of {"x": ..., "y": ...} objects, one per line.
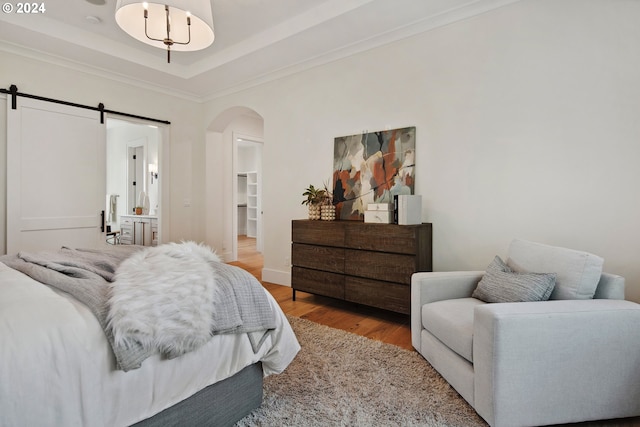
[{"x": 501, "y": 284}]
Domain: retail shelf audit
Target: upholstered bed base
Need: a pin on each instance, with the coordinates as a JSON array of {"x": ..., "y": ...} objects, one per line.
[{"x": 220, "y": 404}]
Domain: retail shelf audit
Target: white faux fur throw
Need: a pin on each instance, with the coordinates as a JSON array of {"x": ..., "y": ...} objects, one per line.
[
  {"x": 163, "y": 298},
  {"x": 172, "y": 298}
]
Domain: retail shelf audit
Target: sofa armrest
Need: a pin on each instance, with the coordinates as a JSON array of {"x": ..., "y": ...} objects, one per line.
[
  {"x": 431, "y": 287},
  {"x": 610, "y": 286},
  {"x": 557, "y": 361}
]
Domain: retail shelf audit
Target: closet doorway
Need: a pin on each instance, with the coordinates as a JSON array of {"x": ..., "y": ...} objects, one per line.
[{"x": 248, "y": 190}]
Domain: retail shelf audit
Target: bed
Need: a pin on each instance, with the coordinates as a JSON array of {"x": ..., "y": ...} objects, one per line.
[{"x": 58, "y": 367}]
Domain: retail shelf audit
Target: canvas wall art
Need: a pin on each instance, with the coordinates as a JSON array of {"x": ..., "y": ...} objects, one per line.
[{"x": 372, "y": 167}]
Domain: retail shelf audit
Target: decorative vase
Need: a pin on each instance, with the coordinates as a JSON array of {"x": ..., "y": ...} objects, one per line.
[
  {"x": 314, "y": 212},
  {"x": 327, "y": 212},
  {"x": 138, "y": 211}
]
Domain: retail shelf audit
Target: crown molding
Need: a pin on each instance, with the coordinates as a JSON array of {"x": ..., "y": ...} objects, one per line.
[{"x": 49, "y": 58}]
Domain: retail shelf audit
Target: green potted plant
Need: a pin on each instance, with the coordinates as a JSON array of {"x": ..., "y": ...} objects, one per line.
[
  {"x": 314, "y": 197},
  {"x": 319, "y": 202}
]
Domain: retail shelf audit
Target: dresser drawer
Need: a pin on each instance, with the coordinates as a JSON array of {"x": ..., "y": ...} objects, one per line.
[
  {"x": 401, "y": 239},
  {"x": 126, "y": 230},
  {"x": 378, "y": 265},
  {"x": 390, "y": 296},
  {"x": 317, "y": 282},
  {"x": 325, "y": 233},
  {"x": 126, "y": 233},
  {"x": 318, "y": 257}
]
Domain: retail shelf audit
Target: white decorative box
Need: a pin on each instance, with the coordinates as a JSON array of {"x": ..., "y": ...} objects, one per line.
[
  {"x": 380, "y": 207},
  {"x": 380, "y": 217},
  {"x": 408, "y": 209}
]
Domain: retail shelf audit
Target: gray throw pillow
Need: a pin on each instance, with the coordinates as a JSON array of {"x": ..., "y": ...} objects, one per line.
[{"x": 501, "y": 284}]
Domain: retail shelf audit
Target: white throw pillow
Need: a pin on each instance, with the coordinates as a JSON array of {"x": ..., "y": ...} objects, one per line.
[{"x": 577, "y": 272}]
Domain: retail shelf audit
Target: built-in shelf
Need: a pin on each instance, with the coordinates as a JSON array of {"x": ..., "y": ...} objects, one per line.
[
  {"x": 252, "y": 204},
  {"x": 248, "y": 203}
]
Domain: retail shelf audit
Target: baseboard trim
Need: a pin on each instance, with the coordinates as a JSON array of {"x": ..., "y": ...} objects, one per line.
[{"x": 278, "y": 277}]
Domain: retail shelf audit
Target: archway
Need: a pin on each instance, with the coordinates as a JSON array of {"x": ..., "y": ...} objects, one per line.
[{"x": 231, "y": 135}]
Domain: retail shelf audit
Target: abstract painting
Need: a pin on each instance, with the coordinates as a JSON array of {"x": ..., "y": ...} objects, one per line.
[{"x": 372, "y": 167}]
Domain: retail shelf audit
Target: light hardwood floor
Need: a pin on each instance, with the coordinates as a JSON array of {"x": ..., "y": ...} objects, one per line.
[{"x": 381, "y": 325}]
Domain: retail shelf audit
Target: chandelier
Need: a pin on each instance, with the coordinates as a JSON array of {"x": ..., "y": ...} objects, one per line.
[{"x": 181, "y": 25}]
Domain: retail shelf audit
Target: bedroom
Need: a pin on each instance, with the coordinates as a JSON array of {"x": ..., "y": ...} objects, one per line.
[
  {"x": 525, "y": 128},
  {"x": 549, "y": 82}
]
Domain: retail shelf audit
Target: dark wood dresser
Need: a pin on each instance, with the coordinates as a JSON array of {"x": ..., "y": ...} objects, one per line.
[{"x": 366, "y": 263}]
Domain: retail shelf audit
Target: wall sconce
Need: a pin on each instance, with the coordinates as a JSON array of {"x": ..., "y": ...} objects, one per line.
[{"x": 153, "y": 170}]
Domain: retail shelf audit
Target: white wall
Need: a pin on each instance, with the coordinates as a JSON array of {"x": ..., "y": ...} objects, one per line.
[
  {"x": 186, "y": 136},
  {"x": 248, "y": 158},
  {"x": 526, "y": 123},
  {"x": 116, "y": 174}
]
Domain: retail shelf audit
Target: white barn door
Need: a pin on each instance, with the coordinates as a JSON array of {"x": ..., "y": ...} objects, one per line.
[{"x": 56, "y": 176}]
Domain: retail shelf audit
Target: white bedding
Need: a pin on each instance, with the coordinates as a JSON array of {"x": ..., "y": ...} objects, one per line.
[{"x": 57, "y": 369}]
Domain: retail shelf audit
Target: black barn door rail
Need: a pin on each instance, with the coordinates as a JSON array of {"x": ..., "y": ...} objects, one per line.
[{"x": 13, "y": 91}]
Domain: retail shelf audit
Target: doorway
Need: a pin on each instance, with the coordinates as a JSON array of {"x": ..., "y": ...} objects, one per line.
[
  {"x": 248, "y": 191},
  {"x": 222, "y": 169},
  {"x": 133, "y": 176}
]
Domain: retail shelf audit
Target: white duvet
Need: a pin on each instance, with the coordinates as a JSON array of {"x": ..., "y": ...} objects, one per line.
[{"x": 57, "y": 368}]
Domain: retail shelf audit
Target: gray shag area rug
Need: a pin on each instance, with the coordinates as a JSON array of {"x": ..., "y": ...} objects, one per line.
[{"x": 343, "y": 379}]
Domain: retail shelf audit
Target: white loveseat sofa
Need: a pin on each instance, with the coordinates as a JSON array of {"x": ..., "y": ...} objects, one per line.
[{"x": 573, "y": 358}]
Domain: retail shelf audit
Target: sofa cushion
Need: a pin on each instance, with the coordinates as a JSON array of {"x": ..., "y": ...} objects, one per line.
[
  {"x": 451, "y": 321},
  {"x": 501, "y": 284},
  {"x": 577, "y": 272}
]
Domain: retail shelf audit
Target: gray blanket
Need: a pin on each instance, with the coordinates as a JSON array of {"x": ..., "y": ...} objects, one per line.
[{"x": 86, "y": 274}]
